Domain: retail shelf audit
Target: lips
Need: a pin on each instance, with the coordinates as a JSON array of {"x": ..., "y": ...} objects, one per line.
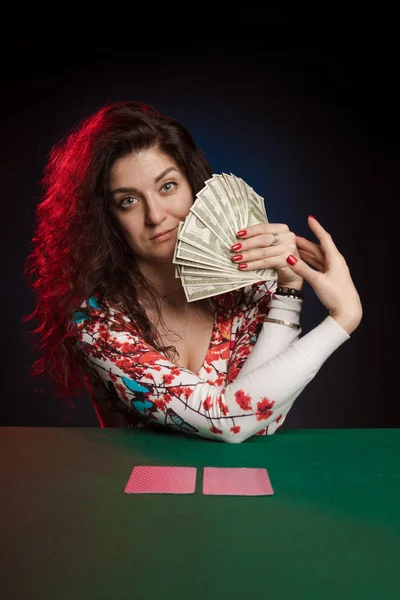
[{"x": 162, "y": 233}]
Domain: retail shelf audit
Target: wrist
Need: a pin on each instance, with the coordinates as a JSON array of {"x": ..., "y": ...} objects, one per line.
[
  {"x": 347, "y": 322},
  {"x": 289, "y": 292},
  {"x": 295, "y": 285}
]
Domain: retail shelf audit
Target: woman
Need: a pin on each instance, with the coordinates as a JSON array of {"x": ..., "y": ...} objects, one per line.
[{"x": 114, "y": 319}]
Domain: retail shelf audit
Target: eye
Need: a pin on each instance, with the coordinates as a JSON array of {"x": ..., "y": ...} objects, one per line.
[
  {"x": 121, "y": 203},
  {"x": 169, "y": 186}
]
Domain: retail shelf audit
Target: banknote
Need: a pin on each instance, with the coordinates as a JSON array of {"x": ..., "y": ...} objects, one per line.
[{"x": 202, "y": 256}]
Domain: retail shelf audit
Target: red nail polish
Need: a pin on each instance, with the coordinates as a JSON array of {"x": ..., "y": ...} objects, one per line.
[
  {"x": 242, "y": 233},
  {"x": 312, "y": 216},
  {"x": 243, "y": 266},
  {"x": 236, "y": 247},
  {"x": 237, "y": 257},
  {"x": 292, "y": 260}
]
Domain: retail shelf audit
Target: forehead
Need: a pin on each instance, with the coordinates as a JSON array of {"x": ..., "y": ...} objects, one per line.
[{"x": 141, "y": 167}]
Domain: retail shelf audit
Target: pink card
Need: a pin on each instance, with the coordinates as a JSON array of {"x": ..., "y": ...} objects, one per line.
[
  {"x": 236, "y": 482},
  {"x": 161, "y": 480}
]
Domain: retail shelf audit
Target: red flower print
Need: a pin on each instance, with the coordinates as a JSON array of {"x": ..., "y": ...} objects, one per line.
[
  {"x": 262, "y": 431},
  {"x": 214, "y": 429},
  {"x": 184, "y": 392},
  {"x": 264, "y": 409},
  {"x": 149, "y": 357},
  {"x": 187, "y": 392},
  {"x": 127, "y": 348},
  {"x": 103, "y": 331},
  {"x": 233, "y": 372},
  {"x": 244, "y": 400},
  {"x": 168, "y": 378},
  {"x": 123, "y": 364},
  {"x": 117, "y": 327},
  {"x": 160, "y": 403},
  {"x": 226, "y": 300},
  {"x": 235, "y": 429},
  {"x": 219, "y": 351},
  {"x": 220, "y": 379},
  {"x": 225, "y": 329},
  {"x": 223, "y": 407},
  {"x": 207, "y": 403},
  {"x": 121, "y": 389}
]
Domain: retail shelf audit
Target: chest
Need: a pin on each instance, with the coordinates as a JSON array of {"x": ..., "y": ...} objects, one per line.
[{"x": 191, "y": 336}]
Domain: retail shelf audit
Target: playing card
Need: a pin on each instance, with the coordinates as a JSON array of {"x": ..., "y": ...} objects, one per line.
[
  {"x": 161, "y": 480},
  {"x": 237, "y": 481}
]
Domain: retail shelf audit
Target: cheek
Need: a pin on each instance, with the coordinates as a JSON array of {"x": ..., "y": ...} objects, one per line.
[
  {"x": 185, "y": 204},
  {"x": 129, "y": 230}
]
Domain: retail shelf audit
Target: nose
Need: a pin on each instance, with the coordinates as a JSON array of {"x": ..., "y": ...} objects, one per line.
[{"x": 155, "y": 213}]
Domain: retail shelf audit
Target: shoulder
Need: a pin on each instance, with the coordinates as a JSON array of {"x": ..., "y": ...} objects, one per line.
[{"x": 92, "y": 311}]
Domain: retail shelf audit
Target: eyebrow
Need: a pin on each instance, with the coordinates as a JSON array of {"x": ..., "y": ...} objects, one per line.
[{"x": 127, "y": 190}]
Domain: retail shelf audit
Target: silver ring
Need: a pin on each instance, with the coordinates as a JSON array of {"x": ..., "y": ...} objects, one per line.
[{"x": 277, "y": 239}]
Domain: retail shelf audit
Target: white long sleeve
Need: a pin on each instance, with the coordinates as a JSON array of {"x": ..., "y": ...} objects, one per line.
[
  {"x": 275, "y": 337},
  {"x": 284, "y": 376}
]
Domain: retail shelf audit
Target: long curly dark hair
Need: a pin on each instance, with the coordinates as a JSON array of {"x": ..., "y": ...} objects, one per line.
[{"x": 78, "y": 249}]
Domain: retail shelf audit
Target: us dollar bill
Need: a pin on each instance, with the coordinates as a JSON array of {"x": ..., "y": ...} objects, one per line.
[{"x": 203, "y": 250}]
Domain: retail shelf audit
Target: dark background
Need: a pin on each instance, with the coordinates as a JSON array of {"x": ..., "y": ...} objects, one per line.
[{"x": 314, "y": 130}]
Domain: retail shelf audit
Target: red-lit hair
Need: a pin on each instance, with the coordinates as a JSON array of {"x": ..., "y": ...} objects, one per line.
[{"x": 78, "y": 250}]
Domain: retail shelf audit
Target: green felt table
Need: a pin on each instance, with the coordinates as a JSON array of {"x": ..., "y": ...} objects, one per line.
[{"x": 69, "y": 531}]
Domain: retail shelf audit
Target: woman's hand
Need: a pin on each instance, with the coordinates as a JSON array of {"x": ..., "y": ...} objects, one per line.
[
  {"x": 255, "y": 249},
  {"x": 330, "y": 278}
]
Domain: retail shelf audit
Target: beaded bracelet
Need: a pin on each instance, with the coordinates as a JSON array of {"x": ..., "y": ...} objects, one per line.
[{"x": 289, "y": 292}]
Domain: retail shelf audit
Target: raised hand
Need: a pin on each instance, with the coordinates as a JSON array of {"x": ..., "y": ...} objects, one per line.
[
  {"x": 328, "y": 275},
  {"x": 265, "y": 246}
]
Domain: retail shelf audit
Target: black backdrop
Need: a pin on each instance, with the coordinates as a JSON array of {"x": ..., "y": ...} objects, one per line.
[{"x": 313, "y": 130}]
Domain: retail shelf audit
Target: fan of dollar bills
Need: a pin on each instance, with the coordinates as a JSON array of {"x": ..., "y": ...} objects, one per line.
[{"x": 203, "y": 257}]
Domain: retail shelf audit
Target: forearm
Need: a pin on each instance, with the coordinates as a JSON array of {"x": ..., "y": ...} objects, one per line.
[
  {"x": 271, "y": 388},
  {"x": 274, "y": 338}
]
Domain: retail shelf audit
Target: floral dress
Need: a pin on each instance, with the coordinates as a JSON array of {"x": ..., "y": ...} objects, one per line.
[{"x": 238, "y": 391}]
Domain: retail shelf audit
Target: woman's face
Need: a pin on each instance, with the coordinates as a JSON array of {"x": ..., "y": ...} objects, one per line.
[{"x": 150, "y": 196}]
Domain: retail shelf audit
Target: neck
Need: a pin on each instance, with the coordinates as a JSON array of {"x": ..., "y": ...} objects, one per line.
[{"x": 169, "y": 287}]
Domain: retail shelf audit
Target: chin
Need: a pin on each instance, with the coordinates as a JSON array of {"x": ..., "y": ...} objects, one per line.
[{"x": 164, "y": 258}]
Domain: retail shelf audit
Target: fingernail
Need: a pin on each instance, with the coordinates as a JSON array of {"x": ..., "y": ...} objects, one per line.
[
  {"x": 243, "y": 266},
  {"x": 242, "y": 233},
  {"x": 292, "y": 260},
  {"x": 237, "y": 257},
  {"x": 312, "y": 216},
  {"x": 236, "y": 247}
]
